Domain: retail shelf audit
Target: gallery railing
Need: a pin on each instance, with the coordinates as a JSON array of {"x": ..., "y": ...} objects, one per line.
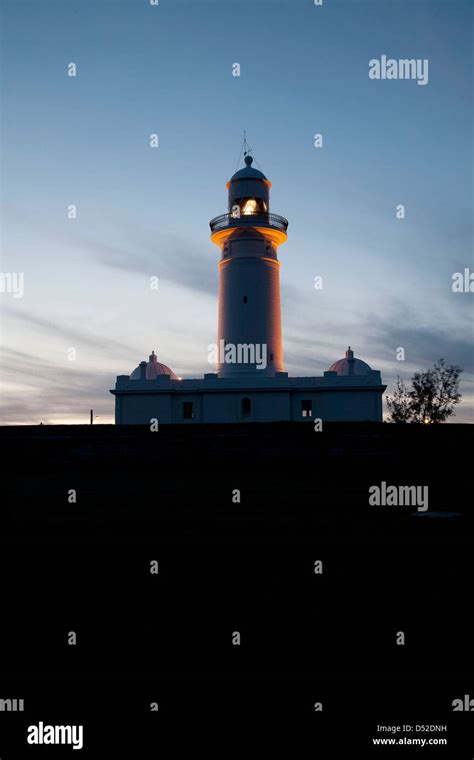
[{"x": 224, "y": 221}]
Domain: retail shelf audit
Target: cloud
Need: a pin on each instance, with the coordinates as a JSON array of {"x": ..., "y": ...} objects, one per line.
[
  {"x": 423, "y": 344},
  {"x": 42, "y": 391},
  {"x": 109, "y": 347},
  {"x": 36, "y": 388},
  {"x": 152, "y": 252},
  {"x": 167, "y": 256}
]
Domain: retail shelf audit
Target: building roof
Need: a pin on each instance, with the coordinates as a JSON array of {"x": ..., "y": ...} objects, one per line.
[
  {"x": 248, "y": 172},
  {"x": 151, "y": 370},
  {"x": 350, "y": 365}
]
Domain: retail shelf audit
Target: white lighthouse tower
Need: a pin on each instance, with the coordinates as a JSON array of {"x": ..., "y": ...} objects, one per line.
[{"x": 249, "y": 327}]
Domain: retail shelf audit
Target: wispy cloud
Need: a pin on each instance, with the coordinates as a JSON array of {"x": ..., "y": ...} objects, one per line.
[
  {"x": 169, "y": 257},
  {"x": 109, "y": 347},
  {"x": 36, "y": 390},
  {"x": 152, "y": 252}
]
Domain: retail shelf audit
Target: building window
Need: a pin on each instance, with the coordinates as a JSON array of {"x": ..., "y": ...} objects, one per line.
[
  {"x": 306, "y": 408},
  {"x": 188, "y": 410},
  {"x": 244, "y": 299},
  {"x": 246, "y": 407}
]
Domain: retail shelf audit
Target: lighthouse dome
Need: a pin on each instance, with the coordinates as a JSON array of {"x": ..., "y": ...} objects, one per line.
[
  {"x": 350, "y": 365},
  {"x": 151, "y": 370},
  {"x": 248, "y": 172}
]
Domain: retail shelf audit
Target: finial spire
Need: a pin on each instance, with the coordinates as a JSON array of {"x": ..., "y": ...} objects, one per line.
[
  {"x": 246, "y": 148},
  {"x": 246, "y": 151}
]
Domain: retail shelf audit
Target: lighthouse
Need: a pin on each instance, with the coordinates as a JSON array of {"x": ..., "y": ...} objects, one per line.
[
  {"x": 249, "y": 336},
  {"x": 250, "y": 383}
]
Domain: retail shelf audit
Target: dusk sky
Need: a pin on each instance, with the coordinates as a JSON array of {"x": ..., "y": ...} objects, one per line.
[{"x": 144, "y": 212}]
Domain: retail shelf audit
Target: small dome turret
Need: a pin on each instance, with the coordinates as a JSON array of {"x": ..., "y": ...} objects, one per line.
[
  {"x": 350, "y": 365},
  {"x": 152, "y": 370}
]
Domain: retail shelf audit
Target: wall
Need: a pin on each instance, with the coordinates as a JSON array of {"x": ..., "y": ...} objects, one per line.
[{"x": 266, "y": 406}]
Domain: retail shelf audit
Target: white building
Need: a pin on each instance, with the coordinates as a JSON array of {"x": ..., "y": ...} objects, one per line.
[{"x": 250, "y": 383}]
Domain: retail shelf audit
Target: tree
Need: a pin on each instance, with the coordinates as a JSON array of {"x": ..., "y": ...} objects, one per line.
[
  {"x": 431, "y": 398},
  {"x": 399, "y": 403}
]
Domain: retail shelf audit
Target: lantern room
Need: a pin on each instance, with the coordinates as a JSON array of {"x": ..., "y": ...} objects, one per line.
[
  {"x": 249, "y": 191},
  {"x": 249, "y": 207}
]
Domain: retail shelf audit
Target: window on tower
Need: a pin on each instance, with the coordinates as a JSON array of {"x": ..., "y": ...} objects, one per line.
[{"x": 306, "y": 408}]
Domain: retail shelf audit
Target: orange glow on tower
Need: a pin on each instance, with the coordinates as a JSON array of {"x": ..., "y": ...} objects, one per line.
[{"x": 249, "y": 279}]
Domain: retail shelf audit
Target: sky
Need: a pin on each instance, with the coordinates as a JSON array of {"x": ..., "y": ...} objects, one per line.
[{"x": 87, "y": 311}]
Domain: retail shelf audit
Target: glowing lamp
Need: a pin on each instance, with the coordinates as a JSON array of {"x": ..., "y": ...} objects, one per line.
[{"x": 250, "y": 207}]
